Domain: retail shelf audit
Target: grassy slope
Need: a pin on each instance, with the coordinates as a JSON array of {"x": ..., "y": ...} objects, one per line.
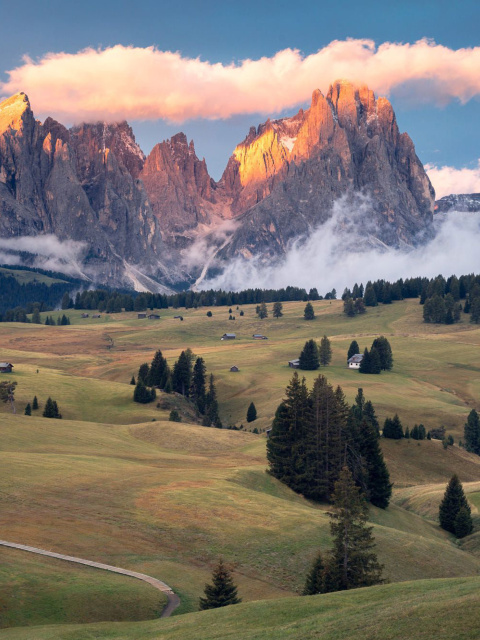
[
  {"x": 441, "y": 609},
  {"x": 38, "y": 590},
  {"x": 168, "y": 499},
  {"x": 24, "y": 277},
  {"x": 436, "y": 367}
]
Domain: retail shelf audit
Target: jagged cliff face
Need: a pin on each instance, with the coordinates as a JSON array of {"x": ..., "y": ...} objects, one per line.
[
  {"x": 285, "y": 176},
  {"x": 81, "y": 185},
  {"x": 93, "y": 183},
  {"x": 463, "y": 202}
]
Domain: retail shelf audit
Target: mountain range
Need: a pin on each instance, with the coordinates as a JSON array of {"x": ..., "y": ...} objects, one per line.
[{"x": 153, "y": 222}]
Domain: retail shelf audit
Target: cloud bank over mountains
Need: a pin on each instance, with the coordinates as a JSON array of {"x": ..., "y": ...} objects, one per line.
[
  {"x": 335, "y": 256},
  {"x": 447, "y": 180},
  {"x": 126, "y": 82}
]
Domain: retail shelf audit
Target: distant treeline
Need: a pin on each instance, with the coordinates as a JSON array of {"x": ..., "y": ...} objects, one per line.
[
  {"x": 44, "y": 298},
  {"x": 15, "y": 294}
]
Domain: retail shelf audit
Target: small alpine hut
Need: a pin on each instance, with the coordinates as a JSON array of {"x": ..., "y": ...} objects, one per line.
[
  {"x": 228, "y": 336},
  {"x": 142, "y": 316},
  {"x": 6, "y": 367},
  {"x": 154, "y": 316},
  {"x": 259, "y": 336},
  {"x": 234, "y": 369},
  {"x": 294, "y": 364},
  {"x": 355, "y": 361}
]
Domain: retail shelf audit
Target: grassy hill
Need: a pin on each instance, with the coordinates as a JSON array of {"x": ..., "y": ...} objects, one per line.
[
  {"x": 115, "y": 482},
  {"x": 25, "y": 276},
  {"x": 441, "y": 609}
]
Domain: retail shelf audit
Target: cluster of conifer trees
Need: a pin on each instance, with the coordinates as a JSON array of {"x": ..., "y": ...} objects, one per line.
[
  {"x": 441, "y": 299},
  {"x": 313, "y": 354},
  {"x": 315, "y": 434},
  {"x": 188, "y": 378},
  {"x": 454, "y": 511},
  {"x": 378, "y": 359}
]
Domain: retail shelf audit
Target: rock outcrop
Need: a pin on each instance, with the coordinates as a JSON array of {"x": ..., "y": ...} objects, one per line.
[
  {"x": 468, "y": 202},
  {"x": 137, "y": 216},
  {"x": 80, "y": 185},
  {"x": 286, "y": 175}
]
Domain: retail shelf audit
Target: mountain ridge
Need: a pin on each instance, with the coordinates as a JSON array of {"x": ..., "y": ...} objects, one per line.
[{"x": 142, "y": 214}]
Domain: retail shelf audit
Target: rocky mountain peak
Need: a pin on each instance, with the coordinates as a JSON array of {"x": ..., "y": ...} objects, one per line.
[{"x": 15, "y": 112}]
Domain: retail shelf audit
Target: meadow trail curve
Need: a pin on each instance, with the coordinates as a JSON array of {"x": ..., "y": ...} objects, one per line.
[{"x": 173, "y": 601}]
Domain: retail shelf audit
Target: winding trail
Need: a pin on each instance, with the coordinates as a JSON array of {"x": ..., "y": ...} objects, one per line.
[{"x": 173, "y": 600}]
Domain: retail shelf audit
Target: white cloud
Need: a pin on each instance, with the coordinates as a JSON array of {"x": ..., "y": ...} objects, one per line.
[
  {"x": 447, "y": 180},
  {"x": 330, "y": 257},
  {"x": 51, "y": 252},
  {"x": 147, "y": 84}
]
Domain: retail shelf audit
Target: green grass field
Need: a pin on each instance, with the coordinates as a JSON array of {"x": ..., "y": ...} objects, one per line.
[
  {"x": 441, "y": 609},
  {"x": 24, "y": 277},
  {"x": 115, "y": 482}
]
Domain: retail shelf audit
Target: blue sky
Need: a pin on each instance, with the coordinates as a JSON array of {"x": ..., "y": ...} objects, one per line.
[{"x": 227, "y": 32}]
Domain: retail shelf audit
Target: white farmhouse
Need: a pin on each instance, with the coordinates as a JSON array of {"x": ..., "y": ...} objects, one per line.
[{"x": 355, "y": 361}]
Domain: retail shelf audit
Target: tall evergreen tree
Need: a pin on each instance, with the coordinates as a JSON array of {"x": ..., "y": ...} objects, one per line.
[
  {"x": 315, "y": 579},
  {"x": 369, "y": 296},
  {"x": 262, "y": 311},
  {"x": 143, "y": 372},
  {"x": 392, "y": 428},
  {"x": 352, "y": 562},
  {"x": 472, "y": 433},
  {"x": 349, "y": 307},
  {"x": 308, "y": 312},
  {"x": 384, "y": 351},
  {"x": 375, "y": 362},
  {"x": 158, "y": 371},
  {"x": 28, "y": 410},
  {"x": 35, "y": 403},
  {"x": 453, "y": 500},
  {"x": 379, "y": 487},
  {"x": 211, "y": 406},
  {"x": 251, "y": 412},
  {"x": 222, "y": 592},
  {"x": 463, "y": 524},
  {"x": 309, "y": 358},
  {"x": 370, "y": 416},
  {"x": 365, "y": 364},
  {"x": 198, "y": 389},
  {"x": 277, "y": 310},
  {"x": 353, "y": 349},
  {"x": 325, "y": 351},
  {"x": 51, "y": 409},
  {"x": 181, "y": 375}
]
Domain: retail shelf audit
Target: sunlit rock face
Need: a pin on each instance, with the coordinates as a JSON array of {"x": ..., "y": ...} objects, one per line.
[
  {"x": 286, "y": 175},
  {"x": 80, "y": 184},
  {"x": 93, "y": 183}
]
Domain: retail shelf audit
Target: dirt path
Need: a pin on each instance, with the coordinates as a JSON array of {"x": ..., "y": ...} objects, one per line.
[{"x": 173, "y": 599}]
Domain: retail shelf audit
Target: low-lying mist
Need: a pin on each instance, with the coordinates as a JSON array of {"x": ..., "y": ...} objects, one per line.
[
  {"x": 336, "y": 256},
  {"x": 51, "y": 253}
]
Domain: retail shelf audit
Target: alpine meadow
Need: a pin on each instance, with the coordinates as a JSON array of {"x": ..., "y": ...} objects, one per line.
[{"x": 239, "y": 321}]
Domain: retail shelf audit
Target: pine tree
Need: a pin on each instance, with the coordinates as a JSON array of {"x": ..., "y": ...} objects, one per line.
[
  {"x": 379, "y": 487},
  {"x": 375, "y": 362},
  {"x": 262, "y": 311},
  {"x": 309, "y": 358},
  {"x": 472, "y": 433},
  {"x": 141, "y": 394},
  {"x": 353, "y": 349},
  {"x": 453, "y": 500},
  {"x": 325, "y": 351},
  {"x": 315, "y": 579},
  {"x": 277, "y": 310},
  {"x": 285, "y": 446},
  {"x": 51, "y": 409},
  {"x": 211, "y": 406},
  {"x": 174, "y": 416},
  {"x": 365, "y": 364},
  {"x": 369, "y": 296},
  {"x": 384, "y": 351},
  {"x": 143, "y": 373},
  {"x": 370, "y": 416},
  {"x": 222, "y": 592},
  {"x": 132, "y": 381},
  {"x": 251, "y": 413},
  {"x": 157, "y": 372},
  {"x": 198, "y": 388},
  {"x": 352, "y": 562},
  {"x": 392, "y": 428},
  {"x": 308, "y": 312},
  {"x": 349, "y": 307},
  {"x": 35, "y": 403},
  {"x": 181, "y": 375},
  {"x": 463, "y": 525},
  {"x": 28, "y": 410}
]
